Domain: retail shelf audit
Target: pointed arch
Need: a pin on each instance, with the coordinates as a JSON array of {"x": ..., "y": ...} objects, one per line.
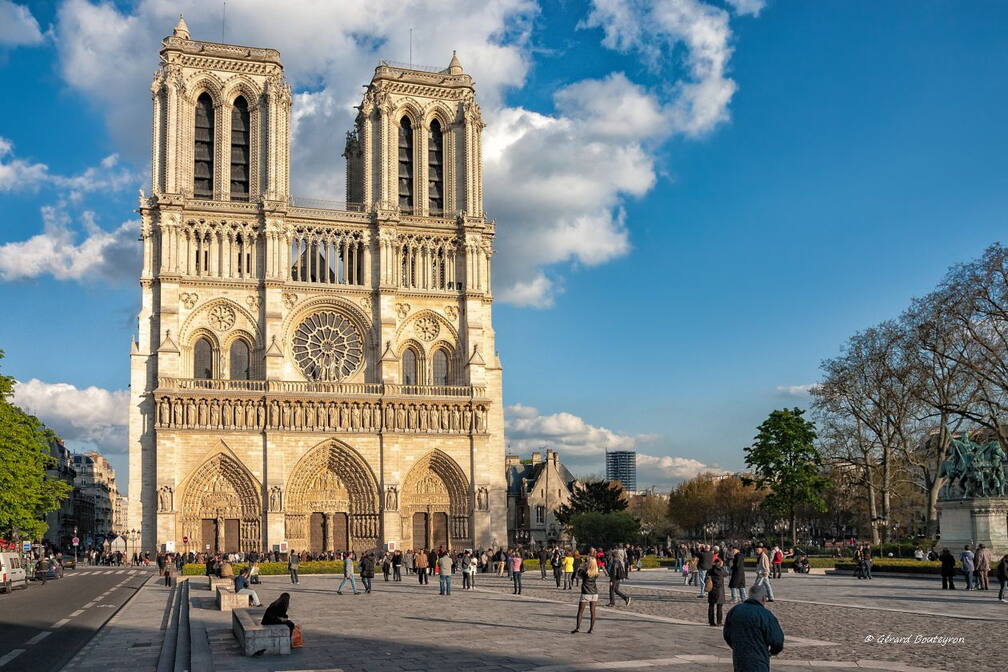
[
  {"x": 436, "y": 489},
  {"x": 407, "y": 136},
  {"x": 333, "y": 480},
  {"x": 221, "y": 499}
]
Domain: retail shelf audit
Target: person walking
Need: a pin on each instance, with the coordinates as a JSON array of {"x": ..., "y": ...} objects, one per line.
[
  {"x": 397, "y": 560},
  {"x": 367, "y": 569},
  {"x": 716, "y": 596},
  {"x": 983, "y": 566},
  {"x": 777, "y": 560},
  {"x": 568, "y": 570},
  {"x": 169, "y": 570},
  {"x": 517, "y": 569},
  {"x": 617, "y": 573},
  {"x": 421, "y": 566},
  {"x": 543, "y": 556},
  {"x": 1002, "y": 575},
  {"x": 468, "y": 568},
  {"x": 589, "y": 593},
  {"x": 966, "y": 561},
  {"x": 736, "y": 582},
  {"x": 947, "y": 569},
  {"x": 348, "y": 574},
  {"x": 763, "y": 572},
  {"x": 753, "y": 633},
  {"x": 293, "y": 562},
  {"x": 444, "y": 567},
  {"x": 556, "y": 562}
]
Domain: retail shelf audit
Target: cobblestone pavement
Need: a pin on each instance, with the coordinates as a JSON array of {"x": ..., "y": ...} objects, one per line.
[{"x": 406, "y": 626}]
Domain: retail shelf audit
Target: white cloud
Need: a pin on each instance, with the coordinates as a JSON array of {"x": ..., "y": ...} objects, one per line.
[
  {"x": 796, "y": 391},
  {"x": 582, "y": 446},
  {"x": 110, "y": 255},
  {"x": 17, "y": 25},
  {"x": 21, "y": 175},
  {"x": 88, "y": 417},
  {"x": 747, "y": 7},
  {"x": 556, "y": 182}
]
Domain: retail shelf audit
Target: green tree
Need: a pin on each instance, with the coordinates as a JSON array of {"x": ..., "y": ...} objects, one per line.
[
  {"x": 604, "y": 530},
  {"x": 783, "y": 458},
  {"x": 600, "y": 496},
  {"x": 26, "y": 495}
]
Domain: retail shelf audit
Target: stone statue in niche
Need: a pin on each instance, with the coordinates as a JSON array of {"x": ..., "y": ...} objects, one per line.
[
  {"x": 165, "y": 499},
  {"x": 391, "y": 498},
  {"x": 275, "y": 499},
  {"x": 482, "y": 499}
]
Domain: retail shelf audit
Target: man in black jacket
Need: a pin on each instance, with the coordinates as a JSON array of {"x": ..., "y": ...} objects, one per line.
[
  {"x": 705, "y": 560},
  {"x": 736, "y": 582},
  {"x": 753, "y": 633}
]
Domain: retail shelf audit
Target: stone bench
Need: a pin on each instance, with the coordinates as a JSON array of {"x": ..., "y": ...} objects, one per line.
[
  {"x": 253, "y": 636},
  {"x": 213, "y": 582},
  {"x": 228, "y": 599}
]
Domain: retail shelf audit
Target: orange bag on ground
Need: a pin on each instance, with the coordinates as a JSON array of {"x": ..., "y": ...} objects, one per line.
[{"x": 297, "y": 641}]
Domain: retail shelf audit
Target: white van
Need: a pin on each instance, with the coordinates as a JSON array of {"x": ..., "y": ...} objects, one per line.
[{"x": 12, "y": 572}]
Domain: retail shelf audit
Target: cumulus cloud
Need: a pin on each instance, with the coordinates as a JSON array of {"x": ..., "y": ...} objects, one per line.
[
  {"x": 17, "y": 25},
  {"x": 555, "y": 209},
  {"x": 89, "y": 417},
  {"x": 582, "y": 446},
  {"x": 109, "y": 255},
  {"x": 796, "y": 391},
  {"x": 23, "y": 175},
  {"x": 747, "y": 7}
]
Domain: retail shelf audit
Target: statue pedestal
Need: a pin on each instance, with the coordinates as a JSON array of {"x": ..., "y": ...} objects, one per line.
[{"x": 980, "y": 520}]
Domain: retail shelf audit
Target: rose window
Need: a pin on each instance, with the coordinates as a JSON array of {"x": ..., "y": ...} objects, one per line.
[
  {"x": 427, "y": 328},
  {"x": 222, "y": 317},
  {"x": 328, "y": 347}
]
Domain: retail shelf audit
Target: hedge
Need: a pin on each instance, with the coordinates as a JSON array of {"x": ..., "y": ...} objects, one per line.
[
  {"x": 274, "y": 568},
  {"x": 904, "y": 565}
]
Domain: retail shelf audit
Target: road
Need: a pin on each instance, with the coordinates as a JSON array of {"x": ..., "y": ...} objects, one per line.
[{"x": 41, "y": 628}]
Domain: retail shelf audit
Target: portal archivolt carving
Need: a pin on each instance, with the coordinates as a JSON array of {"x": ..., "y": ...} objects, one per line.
[
  {"x": 436, "y": 485},
  {"x": 221, "y": 490}
]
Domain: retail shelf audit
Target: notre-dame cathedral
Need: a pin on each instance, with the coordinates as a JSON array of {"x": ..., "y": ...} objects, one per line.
[{"x": 321, "y": 375}]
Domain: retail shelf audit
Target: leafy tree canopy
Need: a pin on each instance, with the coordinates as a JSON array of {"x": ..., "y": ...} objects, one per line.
[
  {"x": 599, "y": 496},
  {"x": 604, "y": 530},
  {"x": 26, "y": 495}
]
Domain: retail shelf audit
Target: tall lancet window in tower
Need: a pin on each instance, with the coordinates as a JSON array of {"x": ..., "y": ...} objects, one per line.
[
  {"x": 203, "y": 151},
  {"x": 405, "y": 164},
  {"x": 203, "y": 359},
  {"x": 240, "y": 357},
  {"x": 409, "y": 367},
  {"x": 240, "y": 150},
  {"x": 435, "y": 169}
]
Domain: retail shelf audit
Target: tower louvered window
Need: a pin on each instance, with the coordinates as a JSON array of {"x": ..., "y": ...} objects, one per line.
[
  {"x": 405, "y": 165},
  {"x": 203, "y": 151},
  {"x": 240, "y": 150},
  {"x": 435, "y": 168}
]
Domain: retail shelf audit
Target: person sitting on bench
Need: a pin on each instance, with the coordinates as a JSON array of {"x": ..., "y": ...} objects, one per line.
[
  {"x": 241, "y": 586},
  {"x": 276, "y": 612}
]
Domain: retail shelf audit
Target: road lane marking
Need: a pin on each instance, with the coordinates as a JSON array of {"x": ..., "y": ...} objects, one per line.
[
  {"x": 11, "y": 656},
  {"x": 38, "y": 638},
  {"x": 88, "y": 605},
  {"x": 121, "y": 571},
  {"x": 77, "y": 613},
  {"x": 60, "y": 623}
]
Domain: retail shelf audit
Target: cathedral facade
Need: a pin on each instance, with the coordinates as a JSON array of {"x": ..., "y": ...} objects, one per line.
[{"x": 308, "y": 373}]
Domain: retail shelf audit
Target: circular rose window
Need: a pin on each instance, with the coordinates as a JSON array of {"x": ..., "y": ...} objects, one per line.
[{"x": 328, "y": 347}]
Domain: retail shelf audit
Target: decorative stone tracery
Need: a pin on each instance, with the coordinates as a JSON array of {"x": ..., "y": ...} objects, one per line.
[
  {"x": 221, "y": 490},
  {"x": 327, "y": 346},
  {"x": 436, "y": 485}
]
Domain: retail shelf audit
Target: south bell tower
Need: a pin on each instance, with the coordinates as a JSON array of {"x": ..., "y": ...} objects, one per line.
[{"x": 313, "y": 373}]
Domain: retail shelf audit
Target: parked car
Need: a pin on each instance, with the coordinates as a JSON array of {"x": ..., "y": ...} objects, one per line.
[
  {"x": 69, "y": 563},
  {"x": 12, "y": 572}
]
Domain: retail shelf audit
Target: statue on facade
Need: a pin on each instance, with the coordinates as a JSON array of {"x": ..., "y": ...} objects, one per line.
[
  {"x": 275, "y": 499},
  {"x": 391, "y": 498},
  {"x": 164, "y": 499},
  {"x": 482, "y": 500},
  {"x": 977, "y": 470}
]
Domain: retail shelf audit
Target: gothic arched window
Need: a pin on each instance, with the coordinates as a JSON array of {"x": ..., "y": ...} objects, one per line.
[
  {"x": 440, "y": 366},
  {"x": 406, "y": 164},
  {"x": 540, "y": 514},
  {"x": 203, "y": 359},
  {"x": 240, "y": 150},
  {"x": 241, "y": 360},
  {"x": 409, "y": 367},
  {"x": 435, "y": 168},
  {"x": 203, "y": 151}
]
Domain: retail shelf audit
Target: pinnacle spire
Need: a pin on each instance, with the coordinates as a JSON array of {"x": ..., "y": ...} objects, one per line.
[
  {"x": 455, "y": 67},
  {"x": 181, "y": 29}
]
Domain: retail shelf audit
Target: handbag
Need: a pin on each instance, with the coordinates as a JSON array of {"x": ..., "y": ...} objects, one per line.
[
  {"x": 297, "y": 640},
  {"x": 708, "y": 585}
]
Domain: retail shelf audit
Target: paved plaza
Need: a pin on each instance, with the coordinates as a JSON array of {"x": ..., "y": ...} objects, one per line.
[{"x": 406, "y": 626}]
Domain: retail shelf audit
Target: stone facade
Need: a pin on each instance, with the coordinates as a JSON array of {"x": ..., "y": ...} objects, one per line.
[
  {"x": 317, "y": 374},
  {"x": 536, "y": 489},
  {"x": 96, "y": 480}
]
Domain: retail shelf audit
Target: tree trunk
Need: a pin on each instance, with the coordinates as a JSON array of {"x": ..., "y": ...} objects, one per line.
[
  {"x": 886, "y": 492},
  {"x": 794, "y": 530},
  {"x": 873, "y": 512},
  {"x": 934, "y": 490}
]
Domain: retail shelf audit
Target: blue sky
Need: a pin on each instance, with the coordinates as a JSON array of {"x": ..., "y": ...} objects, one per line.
[{"x": 760, "y": 181}]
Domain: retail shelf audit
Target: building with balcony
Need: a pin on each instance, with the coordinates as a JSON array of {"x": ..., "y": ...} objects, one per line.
[
  {"x": 61, "y": 521},
  {"x": 537, "y": 487},
  {"x": 308, "y": 372},
  {"x": 96, "y": 480},
  {"x": 621, "y": 465}
]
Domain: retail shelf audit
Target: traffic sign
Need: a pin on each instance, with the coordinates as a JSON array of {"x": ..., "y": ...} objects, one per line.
[
  {"x": 75, "y": 541},
  {"x": 185, "y": 540},
  {"x": 26, "y": 546}
]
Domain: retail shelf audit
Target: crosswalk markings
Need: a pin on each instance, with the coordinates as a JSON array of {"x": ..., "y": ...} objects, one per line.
[{"x": 11, "y": 656}]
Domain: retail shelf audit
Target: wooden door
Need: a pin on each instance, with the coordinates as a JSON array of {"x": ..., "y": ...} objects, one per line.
[
  {"x": 232, "y": 538},
  {"x": 208, "y": 532},
  {"x": 439, "y": 531},
  {"x": 341, "y": 537},
  {"x": 316, "y": 533},
  {"x": 419, "y": 531}
]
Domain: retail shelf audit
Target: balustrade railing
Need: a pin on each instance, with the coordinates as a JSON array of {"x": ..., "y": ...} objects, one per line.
[{"x": 322, "y": 387}]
